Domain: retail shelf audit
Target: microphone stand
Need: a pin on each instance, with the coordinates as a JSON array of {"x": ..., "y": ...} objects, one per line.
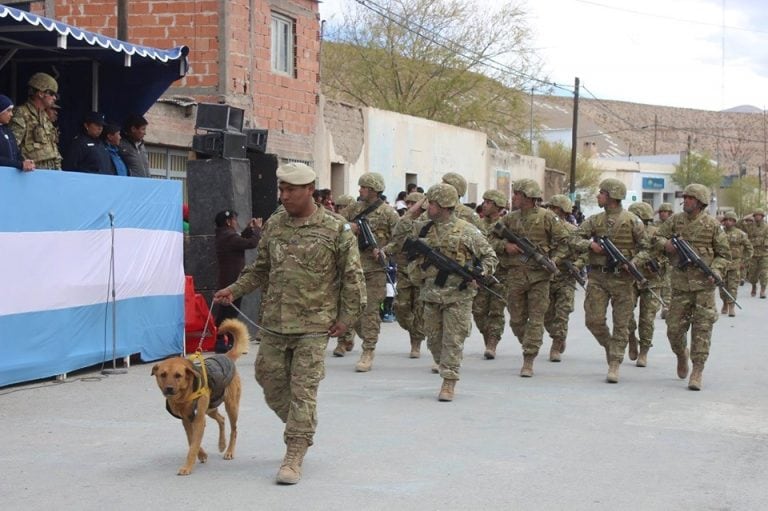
[{"x": 112, "y": 287}]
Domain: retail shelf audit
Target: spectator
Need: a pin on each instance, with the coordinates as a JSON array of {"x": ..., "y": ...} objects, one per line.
[
  {"x": 33, "y": 131},
  {"x": 10, "y": 155},
  {"x": 410, "y": 188},
  {"x": 230, "y": 253},
  {"x": 326, "y": 199},
  {"x": 185, "y": 218},
  {"x": 87, "y": 153},
  {"x": 111, "y": 139},
  {"x": 400, "y": 206},
  {"x": 132, "y": 148}
]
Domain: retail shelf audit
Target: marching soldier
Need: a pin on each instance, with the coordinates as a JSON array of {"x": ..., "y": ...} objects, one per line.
[
  {"x": 758, "y": 236},
  {"x": 665, "y": 211},
  {"x": 461, "y": 211},
  {"x": 741, "y": 250}
]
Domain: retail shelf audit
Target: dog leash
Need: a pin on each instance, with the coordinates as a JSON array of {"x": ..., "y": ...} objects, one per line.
[{"x": 277, "y": 334}]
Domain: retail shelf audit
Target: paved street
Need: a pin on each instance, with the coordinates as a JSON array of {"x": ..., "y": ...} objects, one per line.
[{"x": 563, "y": 439}]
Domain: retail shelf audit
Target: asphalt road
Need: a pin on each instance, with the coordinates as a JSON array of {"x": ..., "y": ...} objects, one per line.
[{"x": 563, "y": 439}]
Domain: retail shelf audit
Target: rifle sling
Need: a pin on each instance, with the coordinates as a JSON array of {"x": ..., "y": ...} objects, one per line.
[{"x": 370, "y": 209}]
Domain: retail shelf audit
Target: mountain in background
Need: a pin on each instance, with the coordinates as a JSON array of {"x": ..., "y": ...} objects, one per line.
[{"x": 744, "y": 109}]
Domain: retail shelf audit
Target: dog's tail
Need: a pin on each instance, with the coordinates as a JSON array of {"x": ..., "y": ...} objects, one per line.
[{"x": 239, "y": 331}]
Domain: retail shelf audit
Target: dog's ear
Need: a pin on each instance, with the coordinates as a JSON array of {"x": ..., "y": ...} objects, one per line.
[
  {"x": 192, "y": 372},
  {"x": 154, "y": 369}
]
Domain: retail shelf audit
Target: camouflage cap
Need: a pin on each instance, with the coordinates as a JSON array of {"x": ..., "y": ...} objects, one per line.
[
  {"x": 615, "y": 188},
  {"x": 528, "y": 187},
  {"x": 295, "y": 173},
  {"x": 642, "y": 209},
  {"x": 495, "y": 196},
  {"x": 730, "y": 215},
  {"x": 666, "y": 206},
  {"x": 372, "y": 180},
  {"x": 43, "y": 82},
  {"x": 562, "y": 202},
  {"x": 457, "y": 181},
  {"x": 345, "y": 200},
  {"x": 414, "y": 197},
  {"x": 698, "y": 192},
  {"x": 444, "y": 195}
]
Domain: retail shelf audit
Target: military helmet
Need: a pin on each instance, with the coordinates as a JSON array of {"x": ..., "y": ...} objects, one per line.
[
  {"x": 495, "y": 196},
  {"x": 372, "y": 180},
  {"x": 562, "y": 202},
  {"x": 615, "y": 188},
  {"x": 457, "y": 181},
  {"x": 345, "y": 200},
  {"x": 642, "y": 209},
  {"x": 730, "y": 215},
  {"x": 43, "y": 82},
  {"x": 414, "y": 197},
  {"x": 666, "y": 206},
  {"x": 528, "y": 187},
  {"x": 444, "y": 195},
  {"x": 698, "y": 192},
  {"x": 758, "y": 211}
]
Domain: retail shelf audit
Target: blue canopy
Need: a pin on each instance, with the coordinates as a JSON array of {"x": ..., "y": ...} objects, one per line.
[{"x": 93, "y": 71}]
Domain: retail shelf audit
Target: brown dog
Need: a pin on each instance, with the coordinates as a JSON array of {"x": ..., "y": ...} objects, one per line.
[{"x": 192, "y": 392}]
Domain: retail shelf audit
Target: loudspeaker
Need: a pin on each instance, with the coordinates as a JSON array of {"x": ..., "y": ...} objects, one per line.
[
  {"x": 220, "y": 144},
  {"x": 213, "y": 117},
  {"x": 257, "y": 140},
  {"x": 263, "y": 183}
]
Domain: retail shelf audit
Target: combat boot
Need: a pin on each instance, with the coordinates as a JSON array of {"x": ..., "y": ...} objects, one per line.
[
  {"x": 695, "y": 382},
  {"x": 490, "y": 348},
  {"x": 664, "y": 312},
  {"x": 642, "y": 357},
  {"x": 762, "y": 291},
  {"x": 682, "y": 364},
  {"x": 753, "y": 293},
  {"x": 555, "y": 350},
  {"x": 366, "y": 360},
  {"x": 435, "y": 368},
  {"x": 349, "y": 345},
  {"x": 633, "y": 347},
  {"x": 341, "y": 349},
  {"x": 724, "y": 310},
  {"x": 290, "y": 470},
  {"x": 527, "y": 370},
  {"x": 415, "y": 349},
  {"x": 446, "y": 391},
  {"x": 731, "y": 310},
  {"x": 613, "y": 372}
]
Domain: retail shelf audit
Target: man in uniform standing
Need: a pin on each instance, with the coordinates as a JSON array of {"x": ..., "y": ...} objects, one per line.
[
  {"x": 308, "y": 257},
  {"x": 527, "y": 282},
  {"x": 665, "y": 211},
  {"x": 741, "y": 250},
  {"x": 447, "y": 308},
  {"x": 609, "y": 283},
  {"x": 382, "y": 220},
  {"x": 693, "y": 293},
  {"x": 34, "y": 131},
  {"x": 758, "y": 236}
]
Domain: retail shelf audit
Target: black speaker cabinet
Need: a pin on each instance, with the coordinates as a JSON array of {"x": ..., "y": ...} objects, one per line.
[
  {"x": 220, "y": 145},
  {"x": 263, "y": 183},
  {"x": 213, "y": 117},
  {"x": 257, "y": 140}
]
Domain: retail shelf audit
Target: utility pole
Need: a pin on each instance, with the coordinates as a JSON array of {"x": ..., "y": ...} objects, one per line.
[
  {"x": 574, "y": 140},
  {"x": 122, "y": 20},
  {"x": 530, "y": 137},
  {"x": 655, "y": 131},
  {"x": 688, "y": 162}
]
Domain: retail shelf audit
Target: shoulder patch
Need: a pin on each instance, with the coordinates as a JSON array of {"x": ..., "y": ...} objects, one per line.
[{"x": 346, "y": 227}]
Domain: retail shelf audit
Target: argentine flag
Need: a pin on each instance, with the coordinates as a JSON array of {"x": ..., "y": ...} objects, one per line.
[{"x": 56, "y": 245}]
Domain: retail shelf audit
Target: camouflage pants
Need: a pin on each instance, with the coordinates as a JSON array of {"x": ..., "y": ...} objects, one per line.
[
  {"x": 51, "y": 164},
  {"x": 731, "y": 278},
  {"x": 409, "y": 310},
  {"x": 447, "y": 326},
  {"x": 694, "y": 310},
  {"x": 290, "y": 370},
  {"x": 666, "y": 288},
  {"x": 488, "y": 312},
  {"x": 649, "y": 306},
  {"x": 527, "y": 302},
  {"x": 561, "y": 298},
  {"x": 619, "y": 291},
  {"x": 369, "y": 324},
  {"x": 758, "y": 270}
]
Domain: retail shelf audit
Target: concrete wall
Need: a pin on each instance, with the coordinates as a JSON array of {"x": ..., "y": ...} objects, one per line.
[{"x": 635, "y": 176}]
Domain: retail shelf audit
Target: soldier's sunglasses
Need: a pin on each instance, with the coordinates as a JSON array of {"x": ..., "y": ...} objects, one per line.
[{"x": 51, "y": 93}]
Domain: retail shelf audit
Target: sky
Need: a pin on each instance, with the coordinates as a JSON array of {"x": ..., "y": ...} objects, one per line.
[{"x": 702, "y": 54}]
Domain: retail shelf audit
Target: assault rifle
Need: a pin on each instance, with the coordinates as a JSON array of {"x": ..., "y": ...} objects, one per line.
[
  {"x": 368, "y": 240},
  {"x": 575, "y": 273},
  {"x": 618, "y": 259},
  {"x": 687, "y": 255},
  {"x": 528, "y": 248},
  {"x": 414, "y": 248}
]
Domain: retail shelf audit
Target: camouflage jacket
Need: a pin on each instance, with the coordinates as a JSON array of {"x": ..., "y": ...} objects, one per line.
[
  {"x": 311, "y": 269},
  {"x": 741, "y": 248},
  {"x": 36, "y": 135},
  {"x": 469, "y": 215},
  {"x": 382, "y": 220},
  {"x": 758, "y": 236},
  {"x": 624, "y": 229},
  {"x": 706, "y": 236},
  {"x": 578, "y": 258}
]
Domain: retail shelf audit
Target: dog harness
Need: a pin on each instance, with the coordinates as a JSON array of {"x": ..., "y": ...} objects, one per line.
[{"x": 218, "y": 372}]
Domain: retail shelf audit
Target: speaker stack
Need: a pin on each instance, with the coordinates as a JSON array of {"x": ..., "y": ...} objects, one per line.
[{"x": 224, "y": 137}]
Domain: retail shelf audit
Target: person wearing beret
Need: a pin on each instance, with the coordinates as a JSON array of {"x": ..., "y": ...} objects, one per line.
[
  {"x": 87, "y": 153},
  {"x": 10, "y": 155}
]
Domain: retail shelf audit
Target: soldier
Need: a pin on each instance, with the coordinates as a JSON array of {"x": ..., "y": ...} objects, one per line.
[
  {"x": 741, "y": 250},
  {"x": 343, "y": 202},
  {"x": 447, "y": 308},
  {"x": 758, "y": 236},
  {"x": 464, "y": 212},
  {"x": 745, "y": 224},
  {"x": 562, "y": 288},
  {"x": 665, "y": 211},
  {"x": 488, "y": 310},
  {"x": 693, "y": 296},
  {"x": 527, "y": 282},
  {"x": 382, "y": 220},
  {"x": 34, "y": 131},
  {"x": 655, "y": 271},
  {"x": 309, "y": 258},
  {"x": 609, "y": 283}
]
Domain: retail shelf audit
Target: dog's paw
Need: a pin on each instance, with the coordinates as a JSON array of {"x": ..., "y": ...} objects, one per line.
[
  {"x": 202, "y": 456},
  {"x": 184, "y": 471},
  {"x": 229, "y": 455}
]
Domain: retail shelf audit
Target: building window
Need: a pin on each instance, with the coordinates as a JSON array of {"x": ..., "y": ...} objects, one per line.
[{"x": 283, "y": 45}]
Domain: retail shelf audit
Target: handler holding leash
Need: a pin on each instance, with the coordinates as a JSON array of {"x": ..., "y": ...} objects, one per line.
[{"x": 309, "y": 264}]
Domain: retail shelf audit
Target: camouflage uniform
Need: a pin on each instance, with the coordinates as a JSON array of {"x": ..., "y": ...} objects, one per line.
[
  {"x": 37, "y": 136},
  {"x": 741, "y": 250},
  {"x": 693, "y": 297},
  {"x": 758, "y": 270},
  {"x": 464, "y": 212},
  {"x": 666, "y": 289}
]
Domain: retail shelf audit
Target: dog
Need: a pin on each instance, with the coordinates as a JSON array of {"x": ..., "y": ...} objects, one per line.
[{"x": 192, "y": 391}]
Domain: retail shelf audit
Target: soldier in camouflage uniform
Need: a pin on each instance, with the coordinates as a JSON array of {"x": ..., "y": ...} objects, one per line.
[
  {"x": 741, "y": 250},
  {"x": 693, "y": 294},
  {"x": 488, "y": 310},
  {"x": 665, "y": 211},
  {"x": 608, "y": 283},
  {"x": 562, "y": 288},
  {"x": 655, "y": 271},
  {"x": 745, "y": 224},
  {"x": 308, "y": 256},
  {"x": 527, "y": 282},
  {"x": 343, "y": 202},
  {"x": 447, "y": 309},
  {"x": 464, "y": 212},
  {"x": 34, "y": 131},
  {"x": 758, "y": 236},
  {"x": 345, "y": 342},
  {"x": 382, "y": 220}
]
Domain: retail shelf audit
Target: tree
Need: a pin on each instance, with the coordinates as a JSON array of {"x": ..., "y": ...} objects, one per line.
[
  {"x": 450, "y": 61},
  {"x": 697, "y": 168},
  {"x": 743, "y": 195},
  {"x": 558, "y": 156}
]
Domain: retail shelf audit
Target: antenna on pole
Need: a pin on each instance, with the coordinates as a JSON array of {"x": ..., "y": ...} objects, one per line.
[{"x": 112, "y": 286}]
